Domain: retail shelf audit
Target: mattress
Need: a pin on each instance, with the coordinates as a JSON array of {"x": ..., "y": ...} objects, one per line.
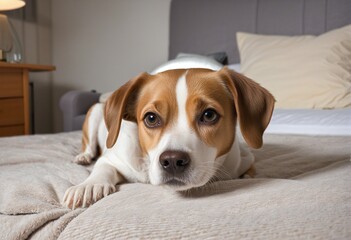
[{"x": 336, "y": 122}]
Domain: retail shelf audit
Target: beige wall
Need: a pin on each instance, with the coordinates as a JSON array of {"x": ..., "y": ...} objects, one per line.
[
  {"x": 95, "y": 44},
  {"x": 100, "y": 44}
]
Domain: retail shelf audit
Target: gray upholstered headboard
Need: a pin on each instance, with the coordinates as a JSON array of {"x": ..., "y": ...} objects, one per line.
[{"x": 207, "y": 26}]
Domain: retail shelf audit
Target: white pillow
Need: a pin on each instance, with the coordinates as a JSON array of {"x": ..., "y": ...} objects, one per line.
[
  {"x": 301, "y": 71},
  {"x": 189, "y": 61},
  {"x": 235, "y": 67}
]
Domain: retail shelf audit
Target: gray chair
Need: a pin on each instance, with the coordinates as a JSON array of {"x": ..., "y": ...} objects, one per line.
[{"x": 74, "y": 106}]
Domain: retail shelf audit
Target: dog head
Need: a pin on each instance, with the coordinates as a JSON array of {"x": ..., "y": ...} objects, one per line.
[{"x": 186, "y": 120}]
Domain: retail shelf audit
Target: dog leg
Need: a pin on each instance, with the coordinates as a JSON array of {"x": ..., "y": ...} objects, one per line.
[
  {"x": 90, "y": 135},
  {"x": 101, "y": 182}
]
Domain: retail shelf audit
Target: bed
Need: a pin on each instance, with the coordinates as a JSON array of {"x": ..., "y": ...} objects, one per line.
[{"x": 303, "y": 182}]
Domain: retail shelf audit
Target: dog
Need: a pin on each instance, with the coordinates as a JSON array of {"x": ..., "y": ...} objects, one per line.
[{"x": 176, "y": 129}]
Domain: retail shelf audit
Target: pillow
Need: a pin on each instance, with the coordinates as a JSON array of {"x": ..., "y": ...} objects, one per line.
[
  {"x": 220, "y": 57},
  {"x": 301, "y": 71},
  {"x": 190, "y": 61},
  {"x": 235, "y": 67}
]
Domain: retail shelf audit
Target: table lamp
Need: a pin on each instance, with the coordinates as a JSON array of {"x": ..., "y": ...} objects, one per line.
[{"x": 10, "y": 49}]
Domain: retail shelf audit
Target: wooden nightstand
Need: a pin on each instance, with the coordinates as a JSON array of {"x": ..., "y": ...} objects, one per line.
[{"x": 14, "y": 97}]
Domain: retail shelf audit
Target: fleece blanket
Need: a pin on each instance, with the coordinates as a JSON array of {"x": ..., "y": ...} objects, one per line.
[{"x": 302, "y": 190}]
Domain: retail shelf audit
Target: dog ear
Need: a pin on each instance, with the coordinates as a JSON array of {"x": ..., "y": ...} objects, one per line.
[
  {"x": 121, "y": 105},
  {"x": 253, "y": 105}
]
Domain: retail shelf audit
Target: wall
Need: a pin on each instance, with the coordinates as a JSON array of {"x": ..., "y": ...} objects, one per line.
[
  {"x": 102, "y": 44},
  {"x": 33, "y": 26}
]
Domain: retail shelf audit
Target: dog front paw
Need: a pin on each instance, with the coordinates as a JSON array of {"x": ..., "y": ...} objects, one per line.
[
  {"x": 84, "y": 195},
  {"x": 83, "y": 159}
]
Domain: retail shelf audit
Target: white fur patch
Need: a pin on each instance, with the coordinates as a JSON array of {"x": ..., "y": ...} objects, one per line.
[
  {"x": 182, "y": 96},
  {"x": 95, "y": 120}
]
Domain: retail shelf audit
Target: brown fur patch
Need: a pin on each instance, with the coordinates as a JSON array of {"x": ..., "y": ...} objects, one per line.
[
  {"x": 157, "y": 96},
  {"x": 205, "y": 90},
  {"x": 121, "y": 105},
  {"x": 253, "y": 103}
]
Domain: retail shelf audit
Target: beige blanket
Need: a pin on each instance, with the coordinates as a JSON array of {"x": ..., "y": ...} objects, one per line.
[{"x": 302, "y": 190}]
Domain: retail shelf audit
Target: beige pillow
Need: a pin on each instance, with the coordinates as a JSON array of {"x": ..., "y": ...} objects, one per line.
[{"x": 301, "y": 71}]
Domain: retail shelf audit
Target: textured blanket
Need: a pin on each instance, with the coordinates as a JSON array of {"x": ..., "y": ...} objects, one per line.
[{"x": 302, "y": 190}]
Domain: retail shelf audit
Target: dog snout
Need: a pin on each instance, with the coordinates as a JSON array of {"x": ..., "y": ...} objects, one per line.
[{"x": 174, "y": 161}]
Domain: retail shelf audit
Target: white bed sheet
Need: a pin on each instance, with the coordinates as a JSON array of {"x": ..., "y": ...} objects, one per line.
[{"x": 335, "y": 122}]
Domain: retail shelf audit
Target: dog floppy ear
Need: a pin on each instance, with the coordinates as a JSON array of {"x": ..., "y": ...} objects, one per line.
[
  {"x": 253, "y": 105},
  {"x": 120, "y": 105}
]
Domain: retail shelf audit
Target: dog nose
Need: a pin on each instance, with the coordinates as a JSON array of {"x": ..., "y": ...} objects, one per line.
[{"x": 174, "y": 161}]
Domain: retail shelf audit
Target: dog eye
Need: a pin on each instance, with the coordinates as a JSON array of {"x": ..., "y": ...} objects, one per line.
[
  {"x": 152, "y": 120},
  {"x": 209, "y": 117}
]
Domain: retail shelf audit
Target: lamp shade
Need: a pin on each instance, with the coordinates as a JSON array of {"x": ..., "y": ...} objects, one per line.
[{"x": 6, "y": 5}]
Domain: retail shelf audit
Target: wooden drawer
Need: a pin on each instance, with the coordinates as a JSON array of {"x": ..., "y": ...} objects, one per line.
[
  {"x": 11, "y": 85},
  {"x": 14, "y": 96},
  {"x": 11, "y": 130},
  {"x": 11, "y": 111}
]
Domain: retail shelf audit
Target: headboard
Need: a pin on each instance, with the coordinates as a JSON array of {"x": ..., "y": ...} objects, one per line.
[{"x": 208, "y": 26}]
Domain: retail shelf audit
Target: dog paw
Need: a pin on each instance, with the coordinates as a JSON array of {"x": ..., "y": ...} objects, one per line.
[
  {"x": 84, "y": 195},
  {"x": 83, "y": 159},
  {"x": 250, "y": 173}
]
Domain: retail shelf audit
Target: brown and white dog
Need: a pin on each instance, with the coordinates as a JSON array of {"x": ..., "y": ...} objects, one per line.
[{"x": 176, "y": 128}]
